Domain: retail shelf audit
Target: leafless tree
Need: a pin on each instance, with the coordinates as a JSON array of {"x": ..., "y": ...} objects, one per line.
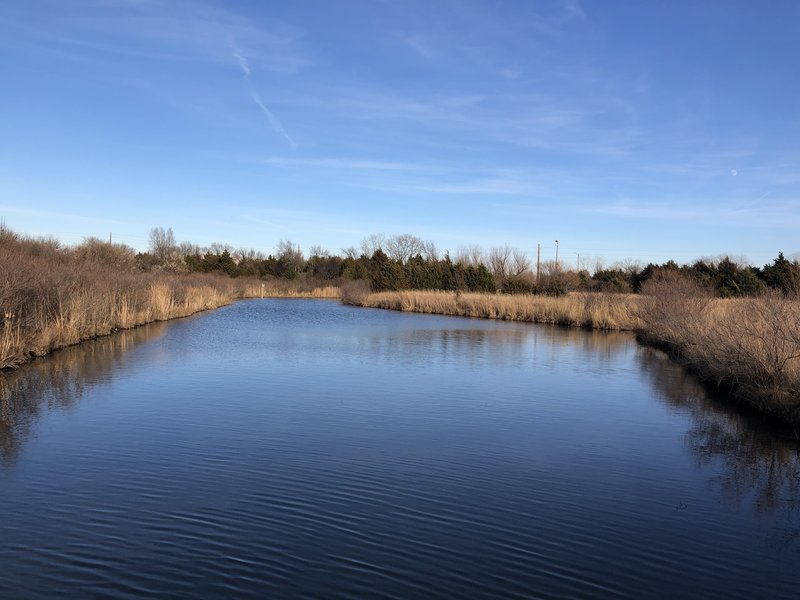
[
  {"x": 429, "y": 250},
  {"x": 319, "y": 251},
  {"x": 162, "y": 243},
  {"x": 372, "y": 243},
  {"x": 599, "y": 265},
  {"x": 291, "y": 256},
  {"x": 189, "y": 249},
  {"x": 350, "y": 252},
  {"x": 549, "y": 268},
  {"x": 520, "y": 263},
  {"x": 217, "y": 248},
  {"x": 248, "y": 254},
  {"x": 470, "y": 255},
  {"x": 500, "y": 261},
  {"x": 630, "y": 266},
  {"x": 403, "y": 246}
]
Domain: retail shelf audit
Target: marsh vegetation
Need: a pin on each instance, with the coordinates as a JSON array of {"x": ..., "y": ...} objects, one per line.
[{"x": 736, "y": 326}]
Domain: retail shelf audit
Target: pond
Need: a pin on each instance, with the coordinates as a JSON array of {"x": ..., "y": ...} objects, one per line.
[{"x": 292, "y": 448}]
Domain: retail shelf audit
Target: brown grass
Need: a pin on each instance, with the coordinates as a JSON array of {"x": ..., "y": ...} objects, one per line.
[
  {"x": 589, "y": 310},
  {"x": 52, "y": 297},
  {"x": 749, "y": 346},
  {"x": 288, "y": 289}
]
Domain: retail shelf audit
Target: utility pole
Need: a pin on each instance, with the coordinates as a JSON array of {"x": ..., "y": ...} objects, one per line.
[
  {"x": 556, "y": 255},
  {"x": 538, "y": 260},
  {"x": 579, "y": 262},
  {"x": 109, "y": 238}
]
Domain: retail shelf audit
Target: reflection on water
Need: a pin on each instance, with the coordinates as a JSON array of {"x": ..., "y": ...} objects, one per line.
[
  {"x": 307, "y": 449},
  {"x": 59, "y": 381},
  {"x": 759, "y": 465}
]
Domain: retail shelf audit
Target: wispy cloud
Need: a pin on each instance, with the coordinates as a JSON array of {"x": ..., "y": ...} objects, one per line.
[
  {"x": 781, "y": 214},
  {"x": 344, "y": 163},
  {"x": 419, "y": 44},
  {"x": 574, "y": 9},
  {"x": 486, "y": 186},
  {"x": 178, "y": 30},
  {"x": 476, "y": 187},
  {"x": 277, "y": 126},
  {"x": 240, "y": 59},
  {"x": 274, "y": 122}
]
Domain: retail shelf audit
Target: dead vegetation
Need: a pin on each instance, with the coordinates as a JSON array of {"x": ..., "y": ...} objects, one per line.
[
  {"x": 278, "y": 288},
  {"x": 53, "y": 296},
  {"x": 589, "y": 310},
  {"x": 748, "y": 346}
]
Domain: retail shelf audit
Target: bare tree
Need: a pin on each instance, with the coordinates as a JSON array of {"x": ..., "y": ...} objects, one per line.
[
  {"x": 403, "y": 246},
  {"x": 290, "y": 256},
  {"x": 189, "y": 249},
  {"x": 470, "y": 255},
  {"x": 630, "y": 266},
  {"x": 350, "y": 252},
  {"x": 319, "y": 251},
  {"x": 162, "y": 244},
  {"x": 429, "y": 250},
  {"x": 500, "y": 261},
  {"x": 219, "y": 249},
  {"x": 249, "y": 254},
  {"x": 372, "y": 243},
  {"x": 520, "y": 263}
]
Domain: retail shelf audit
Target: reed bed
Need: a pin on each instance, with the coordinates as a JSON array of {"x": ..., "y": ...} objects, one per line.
[
  {"x": 287, "y": 290},
  {"x": 81, "y": 314},
  {"x": 749, "y": 347},
  {"x": 52, "y": 297},
  {"x": 588, "y": 310}
]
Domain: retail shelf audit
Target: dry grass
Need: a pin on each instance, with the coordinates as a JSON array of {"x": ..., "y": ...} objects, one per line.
[
  {"x": 51, "y": 297},
  {"x": 589, "y": 310},
  {"x": 749, "y": 346},
  {"x": 285, "y": 289}
]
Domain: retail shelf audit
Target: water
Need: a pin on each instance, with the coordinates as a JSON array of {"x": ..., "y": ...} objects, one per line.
[{"x": 299, "y": 449}]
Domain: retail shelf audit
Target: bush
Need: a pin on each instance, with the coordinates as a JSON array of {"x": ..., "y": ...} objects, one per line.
[{"x": 519, "y": 285}]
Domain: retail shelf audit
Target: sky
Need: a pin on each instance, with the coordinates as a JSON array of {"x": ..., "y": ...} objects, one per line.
[{"x": 626, "y": 129}]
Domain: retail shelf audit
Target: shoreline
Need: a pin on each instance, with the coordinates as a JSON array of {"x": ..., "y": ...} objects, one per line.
[
  {"x": 19, "y": 346},
  {"x": 606, "y": 312},
  {"x": 730, "y": 359},
  {"x": 746, "y": 349}
]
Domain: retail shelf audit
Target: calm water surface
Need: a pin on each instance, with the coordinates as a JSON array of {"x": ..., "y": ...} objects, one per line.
[{"x": 305, "y": 449}]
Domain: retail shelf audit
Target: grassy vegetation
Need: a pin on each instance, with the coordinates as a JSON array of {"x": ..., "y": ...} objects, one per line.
[
  {"x": 589, "y": 310},
  {"x": 277, "y": 288},
  {"x": 737, "y": 327},
  {"x": 52, "y": 296},
  {"x": 748, "y": 346}
]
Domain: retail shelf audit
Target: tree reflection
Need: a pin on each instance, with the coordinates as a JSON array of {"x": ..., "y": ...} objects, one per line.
[
  {"x": 759, "y": 463},
  {"x": 59, "y": 381}
]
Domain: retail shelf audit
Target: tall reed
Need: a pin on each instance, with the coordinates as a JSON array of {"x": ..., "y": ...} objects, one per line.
[
  {"x": 748, "y": 346},
  {"x": 589, "y": 310},
  {"x": 52, "y": 296},
  {"x": 288, "y": 289}
]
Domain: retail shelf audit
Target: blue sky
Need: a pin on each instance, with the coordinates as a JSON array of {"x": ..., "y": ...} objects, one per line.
[{"x": 625, "y": 129}]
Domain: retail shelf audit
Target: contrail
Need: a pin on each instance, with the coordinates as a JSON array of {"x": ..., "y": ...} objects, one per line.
[
  {"x": 242, "y": 62},
  {"x": 277, "y": 126},
  {"x": 273, "y": 120}
]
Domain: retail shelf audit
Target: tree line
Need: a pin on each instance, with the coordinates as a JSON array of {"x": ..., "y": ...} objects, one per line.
[{"x": 406, "y": 261}]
